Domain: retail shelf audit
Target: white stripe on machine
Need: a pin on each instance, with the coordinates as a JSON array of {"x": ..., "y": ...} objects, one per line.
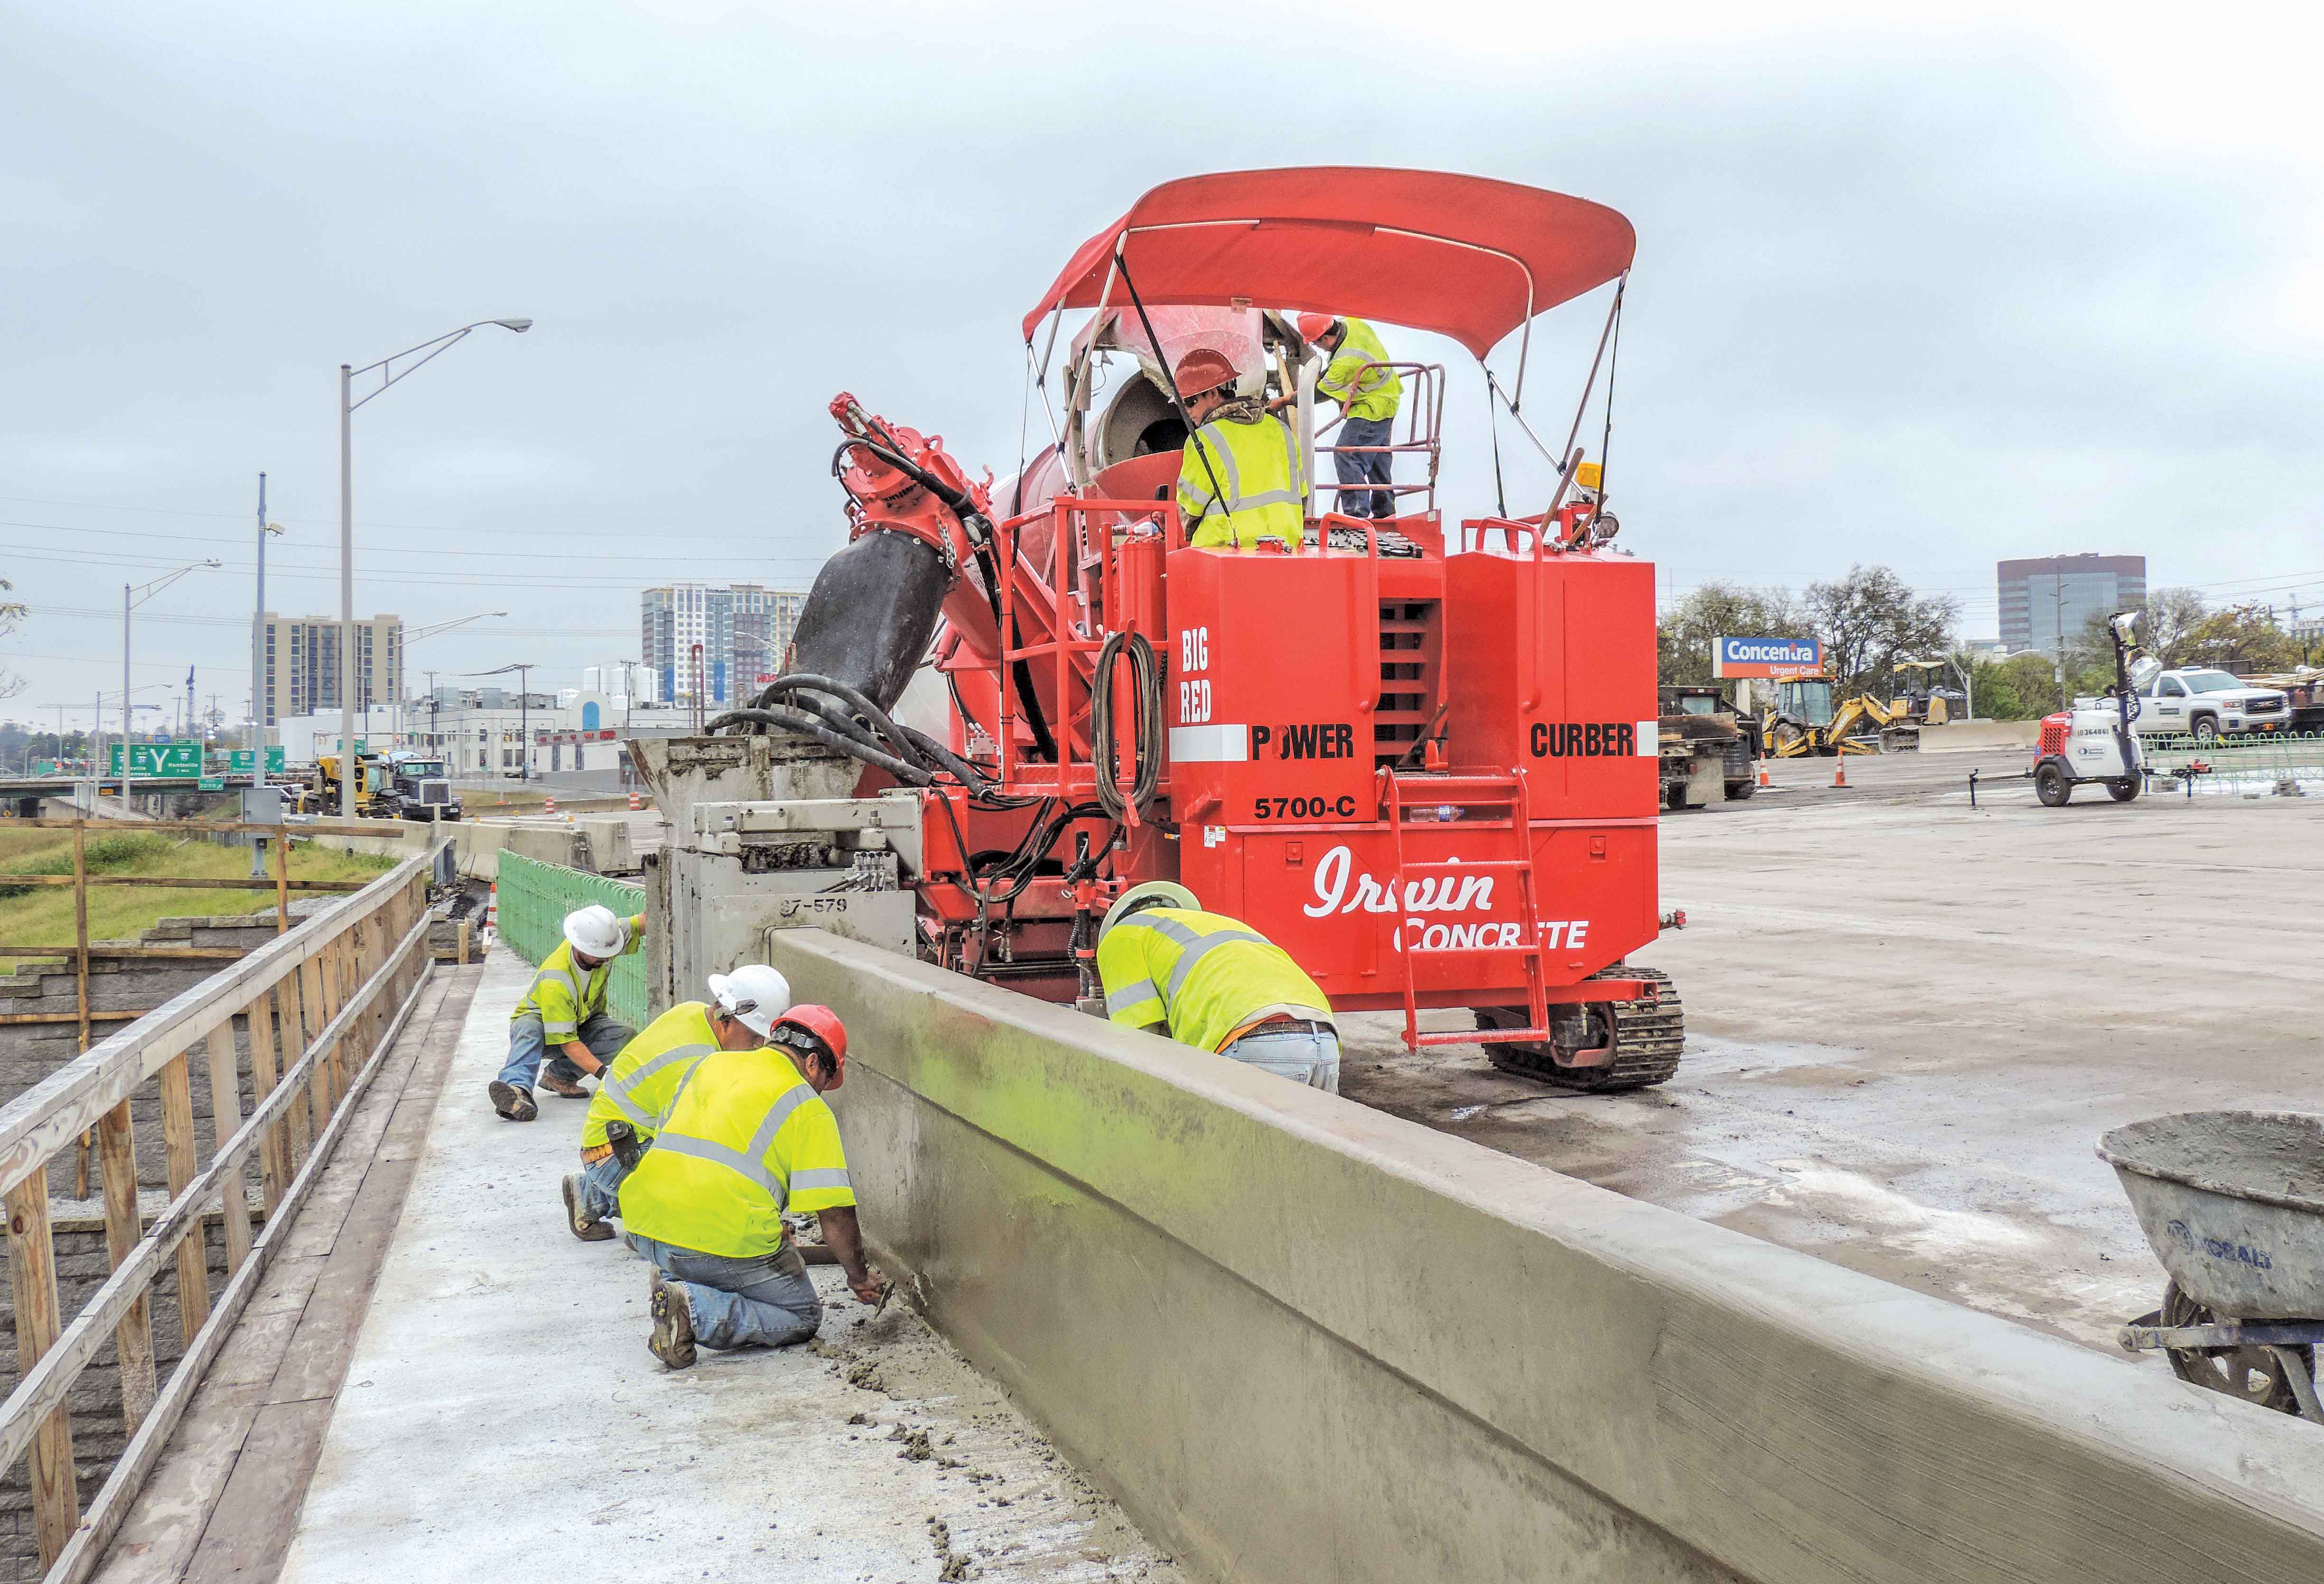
[
  {"x": 1648, "y": 743},
  {"x": 1209, "y": 745}
]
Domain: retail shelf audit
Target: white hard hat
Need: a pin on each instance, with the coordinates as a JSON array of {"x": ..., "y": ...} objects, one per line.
[
  {"x": 754, "y": 995},
  {"x": 595, "y": 930}
]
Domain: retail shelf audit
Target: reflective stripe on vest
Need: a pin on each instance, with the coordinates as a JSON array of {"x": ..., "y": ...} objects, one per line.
[
  {"x": 1235, "y": 500},
  {"x": 750, "y": 1161},
  {"x": 1131, "y": 995},
  {"x": 618, "y": 1091},
  {"x": 1192, "y": 945}
]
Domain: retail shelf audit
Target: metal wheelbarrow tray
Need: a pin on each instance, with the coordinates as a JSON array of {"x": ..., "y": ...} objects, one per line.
[{"x": 2233, "y": 1205}]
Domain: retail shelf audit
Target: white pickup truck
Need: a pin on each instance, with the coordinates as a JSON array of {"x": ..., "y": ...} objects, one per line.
[{"x": 2206, "y": 704}]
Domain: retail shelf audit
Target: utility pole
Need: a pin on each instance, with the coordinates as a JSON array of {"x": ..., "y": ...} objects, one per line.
[
  {"x": 258, "y": 641},
  {"x": 2058, "y": 592}
]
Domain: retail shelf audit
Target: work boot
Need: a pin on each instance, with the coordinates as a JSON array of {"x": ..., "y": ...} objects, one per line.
[
  {"x": 585, "y": 1227},
  {"x": 514, "y": 1104},
  {"x": 566, "y": 1087},
  {"x": 672, "y": 1341}
]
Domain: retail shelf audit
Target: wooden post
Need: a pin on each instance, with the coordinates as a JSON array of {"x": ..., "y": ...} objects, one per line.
[
  {"x": 81, "y": 925},
  {"x": 282, "y": 877},
  {"x": 322, "y": 1005},
  {"x": 123, "y": 1227},
  {"x": 271, "y": 1174},
  {"x": 226, "y": 1119},
  {"x": 32, "y": 1274},
  {"x": 290, "y": 996},
  {"x": 460, "y": 948},
  {"x": 177, "y": 1140}
]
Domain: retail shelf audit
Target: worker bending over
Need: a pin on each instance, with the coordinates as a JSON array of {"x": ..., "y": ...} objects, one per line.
[
  {"x": 566, "y": 1007},
  {"x": 1240, "y": 480},
  {"x": 1359, "y": 378},
  {"x": 1205, "y": 979},
  {"x": 746, "y": 1136},
  {"x": 627, "y": 1107}
]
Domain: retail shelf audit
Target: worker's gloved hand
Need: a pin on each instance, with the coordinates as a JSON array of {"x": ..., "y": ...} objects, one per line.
[{"x": 872, "y": 1289}]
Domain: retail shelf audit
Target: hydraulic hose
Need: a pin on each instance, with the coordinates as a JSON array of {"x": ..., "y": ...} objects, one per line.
[
  {"x": 1146, "y": 683},
  {"x": 906, "y": 742},
  {"x": 911, "y": 775}
]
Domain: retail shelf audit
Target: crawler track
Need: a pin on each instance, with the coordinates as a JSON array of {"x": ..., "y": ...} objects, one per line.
[{"x": 1648, "y": 1038}]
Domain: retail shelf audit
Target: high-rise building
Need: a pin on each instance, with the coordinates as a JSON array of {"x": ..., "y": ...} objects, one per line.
[
  {"x": 299, "y": 664},
  {"x": 744, "y": 630},
  {"x": 2053, "y": 599}
]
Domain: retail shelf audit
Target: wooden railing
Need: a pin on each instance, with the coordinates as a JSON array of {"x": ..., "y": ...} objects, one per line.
[
  {"x": 334, "y": 990},
  {"x": 80, "y": 880}
]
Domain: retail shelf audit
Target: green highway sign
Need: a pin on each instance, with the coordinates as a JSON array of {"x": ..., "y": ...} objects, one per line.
[
  {"x": 240, "y": 761},
  {"x": 211, "y": 784},
  {"x": 160, "y": 760}
]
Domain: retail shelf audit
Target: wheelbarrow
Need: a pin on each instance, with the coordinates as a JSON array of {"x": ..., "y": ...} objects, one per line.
[{"x": 2232, "y": 1205}]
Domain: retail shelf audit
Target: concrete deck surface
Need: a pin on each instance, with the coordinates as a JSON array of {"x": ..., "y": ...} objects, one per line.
[
  {"x": 1909, "y": 1023},
  {"x": 502, "y": 1418}
]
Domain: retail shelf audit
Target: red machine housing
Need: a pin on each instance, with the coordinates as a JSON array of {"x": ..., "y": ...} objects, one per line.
[{"x": 1431, "y": 777}]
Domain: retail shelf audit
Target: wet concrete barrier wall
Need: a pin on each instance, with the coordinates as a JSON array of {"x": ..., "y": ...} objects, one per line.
[{"x": 1302, "y": 1340}]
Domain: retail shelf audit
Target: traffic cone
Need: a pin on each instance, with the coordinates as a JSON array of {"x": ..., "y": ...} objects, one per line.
[
  {"x": 552, "y": 804},
  {"x": 492, "y": 907},
  {"x": 636, "y": 803},
  {"x": 1763, "y": 775},
  {"x": 1839, "y": 773}
]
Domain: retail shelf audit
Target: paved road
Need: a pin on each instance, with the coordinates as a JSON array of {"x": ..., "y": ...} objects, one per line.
[{"x": 1908, "y": 1024}]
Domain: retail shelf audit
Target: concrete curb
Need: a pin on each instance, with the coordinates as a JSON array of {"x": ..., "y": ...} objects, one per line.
[{"x": 1304, "y": 1339}]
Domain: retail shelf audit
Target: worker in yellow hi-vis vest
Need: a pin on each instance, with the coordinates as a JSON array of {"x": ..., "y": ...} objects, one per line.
[
  {"x": 1206, "y": 979},
  {"x": 564, "y": 1009},
  {"x": 1361, "y": 379},
  {"x": 739, "y": 1016},
  {"x": 1240, "y": 480},
  {"x": 746, "y": 1137}
]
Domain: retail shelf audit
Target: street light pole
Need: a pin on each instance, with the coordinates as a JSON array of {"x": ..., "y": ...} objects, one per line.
[
  {"x": 388, "y": 375},
  {"x": 131, "y": 598}
]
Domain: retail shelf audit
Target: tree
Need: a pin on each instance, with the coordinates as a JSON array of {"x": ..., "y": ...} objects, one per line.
[
  {"x": 2242, "y": 638},
  {"x": 2166, "y": 619},
  {"x": 1685, "y": 635},
  {"x": 1871, "y": 619},
  {"x": 12, "y": 617}
]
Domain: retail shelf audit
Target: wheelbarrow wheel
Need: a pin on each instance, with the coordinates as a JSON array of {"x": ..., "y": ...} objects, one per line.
[{"x": 2253, "y": 1373}]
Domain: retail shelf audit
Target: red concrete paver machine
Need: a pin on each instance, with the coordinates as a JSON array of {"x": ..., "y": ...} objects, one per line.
[{"x": 1422, "y": 760}]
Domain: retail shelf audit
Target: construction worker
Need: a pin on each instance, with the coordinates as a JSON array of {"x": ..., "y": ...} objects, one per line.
[
  {"x": 1205, "y": 979},
  {"x": 1240, "y": 480},
  {"x": 1359, "y": 378},
  {"x": 739, "y": 1016},
  {"x": 566, "y": 1007},
  {"x": 746, "y": 1136}
]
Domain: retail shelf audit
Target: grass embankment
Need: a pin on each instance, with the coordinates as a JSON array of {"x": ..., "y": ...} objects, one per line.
[{"x": 38, "y": 914}]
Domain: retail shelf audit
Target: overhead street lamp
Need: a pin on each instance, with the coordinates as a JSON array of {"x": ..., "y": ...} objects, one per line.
[
  {"x": 431, "y": 630},
  {"x": 258, "y": 643},
  {"x": 348, "y": 401},
  {"x": 523, "y": 669},
  {"x": 131, "y": 598}
]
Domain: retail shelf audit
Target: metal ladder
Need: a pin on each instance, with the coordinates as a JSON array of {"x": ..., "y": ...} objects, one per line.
[{"x": 1473, "y": 791}]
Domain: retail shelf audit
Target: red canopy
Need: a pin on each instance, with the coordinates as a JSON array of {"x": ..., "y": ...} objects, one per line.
[{"x": 1462, "y": 256}]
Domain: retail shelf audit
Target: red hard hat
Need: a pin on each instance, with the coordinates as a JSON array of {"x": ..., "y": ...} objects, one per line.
[
  {"x": 823, "y": 1024},
  {"x": 1313, "y": 324},
  {"x": 1202, "y": 370}
]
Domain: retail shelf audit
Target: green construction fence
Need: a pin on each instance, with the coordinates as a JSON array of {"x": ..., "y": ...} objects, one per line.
[{"x": 535, "y": 898}]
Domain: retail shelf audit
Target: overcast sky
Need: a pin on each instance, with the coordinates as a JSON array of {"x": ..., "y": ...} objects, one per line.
[{"x": 1924, "y": 292}]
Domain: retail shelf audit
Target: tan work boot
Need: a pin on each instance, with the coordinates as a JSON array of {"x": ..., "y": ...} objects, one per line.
[
  {"x": 556, "y": 1085},
  {"x": 672, "y": 1341},
  {"x": 514, "y": 1104},
  {"x": 584, "y": 1225}
]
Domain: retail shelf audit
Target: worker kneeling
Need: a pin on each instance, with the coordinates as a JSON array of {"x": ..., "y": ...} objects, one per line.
[
  {"x": 1206, "y": 979},
  {"x": 746, "y": 1136},
  {"x": 1240, "y": 480},
  {"x": 627, "y": 1107},
  {"x": 566, "y": 1007}
]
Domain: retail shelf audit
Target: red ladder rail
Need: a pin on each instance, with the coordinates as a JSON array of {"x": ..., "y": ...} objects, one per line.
[{"x": 1512, "y": 790}]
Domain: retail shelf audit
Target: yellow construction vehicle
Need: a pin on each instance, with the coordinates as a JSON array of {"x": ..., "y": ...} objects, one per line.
[{"x": 375, "y": 792}]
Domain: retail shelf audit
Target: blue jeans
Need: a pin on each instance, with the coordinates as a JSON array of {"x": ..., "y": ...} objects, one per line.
[
  {"x": 528, "y": 1045},
  {"x": 764, "y": 1301},
  {"x": 1365, "y": 467},
  {"x": 1296, "y": 1054},
  {"x": 601, "y": 1188}
]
